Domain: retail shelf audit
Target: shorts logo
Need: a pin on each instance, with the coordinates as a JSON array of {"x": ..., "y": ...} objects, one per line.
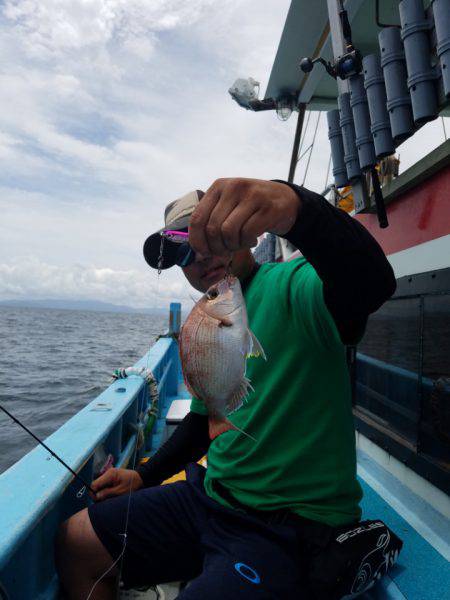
[{"x": 247, "y": 572}]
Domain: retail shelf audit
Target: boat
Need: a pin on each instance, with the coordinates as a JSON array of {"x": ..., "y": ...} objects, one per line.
[{"x": 400, "y": 371}]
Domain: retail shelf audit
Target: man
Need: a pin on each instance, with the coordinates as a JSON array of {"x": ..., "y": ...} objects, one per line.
[{"x": 256, "y": 524}]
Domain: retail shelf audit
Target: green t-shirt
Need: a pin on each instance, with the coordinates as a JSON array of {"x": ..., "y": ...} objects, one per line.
[{"x": 300, "y": 413}]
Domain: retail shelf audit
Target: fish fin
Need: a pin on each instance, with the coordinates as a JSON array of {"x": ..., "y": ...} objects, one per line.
[
  {"x": 254, "y": 347},
  {"x": 239, "y": 395},
  {"x": 224, "y": 322},
  {"x": 217, "y": 426}
]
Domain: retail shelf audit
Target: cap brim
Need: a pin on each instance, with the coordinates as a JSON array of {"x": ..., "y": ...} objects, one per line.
[
  {"x": 152, "y": 245},
  {"x": 152, "y": 249}
]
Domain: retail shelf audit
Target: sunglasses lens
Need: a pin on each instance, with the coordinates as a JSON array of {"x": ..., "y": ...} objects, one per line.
[{"x": 185, "y": 255}]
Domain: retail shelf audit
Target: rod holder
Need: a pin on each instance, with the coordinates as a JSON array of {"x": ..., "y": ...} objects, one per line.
[
  {"x": 337, "y": 149},
  {"x": 348, "y": 137},
  {"x": 441, "y": 13},
  {"x": 361, "y": 120},
  {"x": 395, "y": 79},
  {"x": 421, "y": 76},
  {"x": 376, "y": 98}
]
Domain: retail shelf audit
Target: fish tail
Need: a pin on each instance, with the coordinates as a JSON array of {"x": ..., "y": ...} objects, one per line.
[{"x": 218, "y": 426}]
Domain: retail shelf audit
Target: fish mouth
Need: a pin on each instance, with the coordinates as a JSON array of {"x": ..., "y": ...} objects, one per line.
[{"x": 232, "y": 311}]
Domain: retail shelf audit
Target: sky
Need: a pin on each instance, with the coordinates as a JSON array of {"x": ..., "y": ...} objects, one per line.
[{"x": 109, "y": 110}]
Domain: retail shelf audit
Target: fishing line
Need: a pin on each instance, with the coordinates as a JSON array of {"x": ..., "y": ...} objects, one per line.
[
  {"x": 155, "y": 308},
  {"x": 153, "y": 392},
  {"x": 156, "y": 291},
  {"x": 124, "y": 534},
  {"x": 78, "y": 477},
  {"x": 120, "y": 558}
]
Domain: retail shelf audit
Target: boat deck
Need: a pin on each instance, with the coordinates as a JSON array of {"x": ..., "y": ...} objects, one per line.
[
  {"x": 425, "y": 532},
  {"x": 422, "y": 571}
]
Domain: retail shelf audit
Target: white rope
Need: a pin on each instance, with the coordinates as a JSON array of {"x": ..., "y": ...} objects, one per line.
[{"x": 149, "y": 378}]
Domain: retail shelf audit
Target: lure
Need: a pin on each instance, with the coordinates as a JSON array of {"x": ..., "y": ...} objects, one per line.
[
  {"x": 185, "y": 254},
  {"x": 179, "y": 237}
]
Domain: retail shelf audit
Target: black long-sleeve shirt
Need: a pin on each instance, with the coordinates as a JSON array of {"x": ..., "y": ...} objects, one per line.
[{"x": 357, "y": 279}]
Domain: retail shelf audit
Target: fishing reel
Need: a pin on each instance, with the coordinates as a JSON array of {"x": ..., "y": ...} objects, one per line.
[{"x": 345, "y": 66}]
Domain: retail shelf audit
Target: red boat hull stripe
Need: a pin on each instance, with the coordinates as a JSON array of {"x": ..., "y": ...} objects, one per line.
[{"x": 420, "y": 215}]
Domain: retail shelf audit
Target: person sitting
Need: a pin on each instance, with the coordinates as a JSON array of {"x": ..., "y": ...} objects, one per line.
[{"x": 259, "y": 522}]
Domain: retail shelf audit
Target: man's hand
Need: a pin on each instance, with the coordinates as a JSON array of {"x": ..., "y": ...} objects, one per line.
[
  {"x": 234, "y": 212},
  {"x": 116, "y": 482}
]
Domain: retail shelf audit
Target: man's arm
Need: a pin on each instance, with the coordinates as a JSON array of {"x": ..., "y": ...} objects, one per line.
[
  {"x": 189, "y": 442},
  {"x": 357, "y": 278}
]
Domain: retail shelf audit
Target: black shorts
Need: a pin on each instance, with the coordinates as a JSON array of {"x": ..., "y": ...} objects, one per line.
[{"x": 177, "y": 533}]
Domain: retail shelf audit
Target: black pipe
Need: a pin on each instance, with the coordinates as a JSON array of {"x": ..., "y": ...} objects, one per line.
[
  {"x": 379, "y": 200},
  {"x": 298, "y": 132}
]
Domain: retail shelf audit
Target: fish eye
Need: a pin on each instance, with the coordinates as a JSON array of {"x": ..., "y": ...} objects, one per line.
[{"x": 212, "y": 294}]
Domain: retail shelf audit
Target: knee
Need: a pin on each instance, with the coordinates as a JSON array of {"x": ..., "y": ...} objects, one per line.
[
  {"x": 81, "y": 558},
  {"x": 71, "y": 537},
  {"x": 76, "y": 541}
]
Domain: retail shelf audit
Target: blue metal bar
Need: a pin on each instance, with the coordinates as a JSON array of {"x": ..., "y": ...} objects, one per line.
[
  {"x": 163, "y": 378},
  {"x": 127, "y": 453}
]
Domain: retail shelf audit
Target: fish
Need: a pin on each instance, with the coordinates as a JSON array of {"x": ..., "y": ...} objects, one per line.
[{"x": 215, "y": 342}]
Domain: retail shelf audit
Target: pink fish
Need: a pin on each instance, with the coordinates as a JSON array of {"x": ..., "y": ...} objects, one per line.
[{"x": 215, "y": 342}]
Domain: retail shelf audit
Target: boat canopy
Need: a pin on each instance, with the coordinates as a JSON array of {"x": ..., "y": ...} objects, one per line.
[{"x": 306, "y": 33}]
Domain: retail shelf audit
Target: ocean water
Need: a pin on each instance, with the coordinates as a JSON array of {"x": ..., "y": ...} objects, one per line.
[{"x": 53, "y": 362}]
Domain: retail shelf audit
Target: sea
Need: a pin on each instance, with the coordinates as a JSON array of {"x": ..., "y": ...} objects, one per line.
[{"x": 54, "y": 362}]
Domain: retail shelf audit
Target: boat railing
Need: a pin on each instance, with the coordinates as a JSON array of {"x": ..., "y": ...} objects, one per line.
[{"x": 37, "y": 493}]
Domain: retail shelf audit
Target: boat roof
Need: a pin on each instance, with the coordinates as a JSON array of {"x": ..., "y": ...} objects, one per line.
[{"x": 307, "y": 33}]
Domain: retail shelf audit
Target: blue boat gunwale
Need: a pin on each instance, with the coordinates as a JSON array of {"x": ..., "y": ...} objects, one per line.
[{"x": 31, "y": 487}]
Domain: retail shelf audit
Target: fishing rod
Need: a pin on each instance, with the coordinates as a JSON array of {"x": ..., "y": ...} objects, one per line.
[
  {"x": 349, "y": 66},
  {"x": 80, "y": 479}
]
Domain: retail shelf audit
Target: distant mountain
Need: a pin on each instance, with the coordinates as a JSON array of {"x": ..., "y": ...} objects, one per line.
[{"x": 95, "y": 305}]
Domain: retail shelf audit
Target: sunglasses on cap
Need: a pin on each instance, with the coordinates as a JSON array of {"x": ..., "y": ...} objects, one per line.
[{"x": 184, "y": 255}]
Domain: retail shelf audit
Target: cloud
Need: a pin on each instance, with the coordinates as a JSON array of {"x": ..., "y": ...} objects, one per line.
[
  {"x": 55, "y": 26},
  {"x": 109, "y": 109},
  {"x": 32, "y": 278},
  {"x": 74, "y": 97}
]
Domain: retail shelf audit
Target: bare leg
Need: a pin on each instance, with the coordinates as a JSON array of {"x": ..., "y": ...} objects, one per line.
[{"x": 81, "y": 559}]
